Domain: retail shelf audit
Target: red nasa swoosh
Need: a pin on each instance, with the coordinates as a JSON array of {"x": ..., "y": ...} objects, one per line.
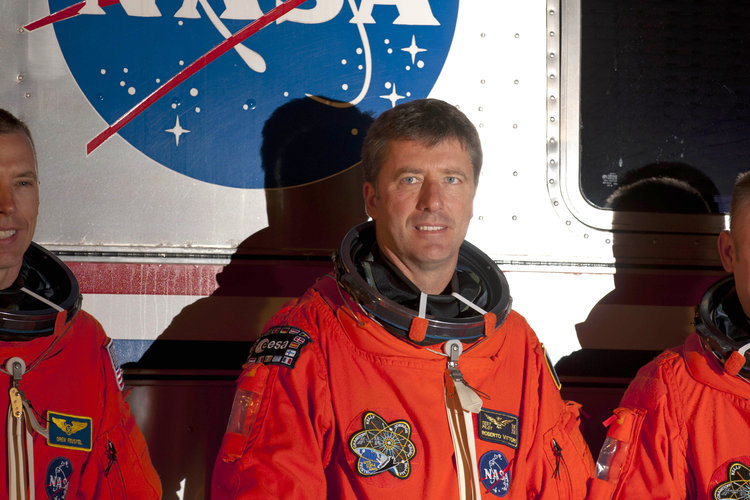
[{"x": 180, "y": 77}]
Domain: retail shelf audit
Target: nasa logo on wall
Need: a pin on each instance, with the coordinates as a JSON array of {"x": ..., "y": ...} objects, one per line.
[{"x": 372, "y": 54}]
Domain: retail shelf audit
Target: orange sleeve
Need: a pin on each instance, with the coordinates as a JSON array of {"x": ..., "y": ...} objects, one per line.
[
  {"x": 560, "y": 456},
  {"x": 119, "y": 465},
  {"x": 279, "y": 437},
  {"x": 644, "y": 454}
]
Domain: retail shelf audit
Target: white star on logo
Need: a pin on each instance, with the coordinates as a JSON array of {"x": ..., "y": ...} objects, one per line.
[
  {"x": 393, "y": 96},
  {"x": 177, "y": 130},
  {"x": 413, "y": 49}
]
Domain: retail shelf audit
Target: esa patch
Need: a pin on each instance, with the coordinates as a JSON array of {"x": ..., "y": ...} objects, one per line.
[
  {"x": 736, "y": 482},
  {"x": 280, "y": 345},
  {"x": 382, "y": 446},
  {"x": 115, "y": 364},
  {"x": 494, "y": 473},
  {"x": 57, "y": 481},
  {"x": 69, "y": 431},
  {"x": 498, "y": 427}
]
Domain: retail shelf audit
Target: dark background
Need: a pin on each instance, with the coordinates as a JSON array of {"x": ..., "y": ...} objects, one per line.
[{"x": 664, "y": 81}]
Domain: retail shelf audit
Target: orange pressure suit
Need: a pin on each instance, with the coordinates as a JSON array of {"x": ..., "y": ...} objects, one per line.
[
  {"x": 95, "y": 450},
  {"x": 68, "y": 432},
  {"x": 331, "y": 405},
  {"x": 682, "y": 429}
]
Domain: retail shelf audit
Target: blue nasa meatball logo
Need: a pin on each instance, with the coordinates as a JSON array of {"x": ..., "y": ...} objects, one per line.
[
  {"x": 371, "y": 54},
  {"x": 57, "y": 481},
  {"x": 494, "y": 473}
]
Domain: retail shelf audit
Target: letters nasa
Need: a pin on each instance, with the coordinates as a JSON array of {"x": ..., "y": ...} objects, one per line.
[{"x": 371, "y": 53}]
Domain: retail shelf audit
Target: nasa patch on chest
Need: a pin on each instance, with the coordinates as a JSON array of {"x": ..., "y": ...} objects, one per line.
[
  {"x": 280, "y": 345},
  {"x": 494, "y": 473},
  {"x": 498, "y": 427},
  {"x": 57, "y": 481}
]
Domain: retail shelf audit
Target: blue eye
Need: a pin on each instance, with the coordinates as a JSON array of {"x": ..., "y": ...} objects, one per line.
[{"x": 410, "y": 180}]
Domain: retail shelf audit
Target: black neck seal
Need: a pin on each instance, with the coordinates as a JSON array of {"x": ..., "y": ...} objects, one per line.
[
  {"x": 53, "y": 288},
  {"x": 405, "y": 322},
  {"x": 725, "y": 333}
]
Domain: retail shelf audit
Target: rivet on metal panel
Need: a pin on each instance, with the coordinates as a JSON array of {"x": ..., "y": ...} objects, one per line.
[
  {"x": 20, "y": 29},
  {"x": 515, "y": 125},
  {"x": 483, "y": 35},
  {"x": 27, "y": 95},
  {"x": 515, "y": 173},
  {"x": 552, "y": 33},
  {"x": 19, "y": 78},
  {"x": 481, "y": 81},
  {"x": 552, "y": 119},
  {"x": 551, "y": 55},
  {"x": 481, "y": 125},
  {"x": 481, "y": 217},
  {"x": 515, "y": 82},
  {"x": 552, "y": 140},
  {"x": 552, "y": 98},
  {"x": 480, "y": 108},
  {"x": 517, "y": 35},
  {"x": 551, "y": 12},
  {"x": 567, "y": 222},
  {"x": 552, "y": 77},
  {"x": 585, "y": 236},
  {"x": 552, "y": 181},
  {"x": 555, "y": 203},
  {"x": 607, "y": 241},
  {"x": 514, "y": 218},
  {"x": 552, "y": 162}
]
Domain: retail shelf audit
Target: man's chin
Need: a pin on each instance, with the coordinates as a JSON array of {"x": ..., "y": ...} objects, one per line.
[{"x": 436, "y": 259}]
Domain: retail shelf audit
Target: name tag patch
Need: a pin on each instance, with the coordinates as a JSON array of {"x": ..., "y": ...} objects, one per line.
[
  {"x": 69, "y": 431},
  {"x": 280, "y": 345},
  {"x": 498, "y": 427}
]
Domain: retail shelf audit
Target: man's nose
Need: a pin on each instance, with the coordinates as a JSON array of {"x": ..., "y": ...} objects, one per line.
[
  {"x": 430, "y": 197},
  {"x": 7, "y": 201}
]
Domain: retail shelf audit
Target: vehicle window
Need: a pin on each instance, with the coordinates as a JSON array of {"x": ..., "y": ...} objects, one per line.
[{"x": 664, "y": 92}]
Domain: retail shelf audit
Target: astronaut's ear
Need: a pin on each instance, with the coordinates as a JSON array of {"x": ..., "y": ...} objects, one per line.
[
  {"x": 370, "y": 197},
  {"x": 727, "y": 250}
]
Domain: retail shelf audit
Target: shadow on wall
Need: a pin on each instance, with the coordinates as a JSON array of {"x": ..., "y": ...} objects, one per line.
[
  {"x": 184, "y": 383},
  {"x": 617, "y": 337}
]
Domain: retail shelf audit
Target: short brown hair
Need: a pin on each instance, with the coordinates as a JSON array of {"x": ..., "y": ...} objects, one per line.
[
  {"x": 430, "y": 121},
  {"x": 9, "y": 124}
]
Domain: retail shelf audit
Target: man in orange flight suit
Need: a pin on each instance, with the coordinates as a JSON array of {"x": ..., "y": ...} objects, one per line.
[
  {"x": 69, "y": 432},
  {"x": 682, "y": 427},
  {"x": 407, "y": 374}
]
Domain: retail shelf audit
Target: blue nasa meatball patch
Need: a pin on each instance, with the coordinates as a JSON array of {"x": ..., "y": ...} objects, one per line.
[
  {"x": 494, "y": 473},
  {"x": 57, "y": 482}
]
